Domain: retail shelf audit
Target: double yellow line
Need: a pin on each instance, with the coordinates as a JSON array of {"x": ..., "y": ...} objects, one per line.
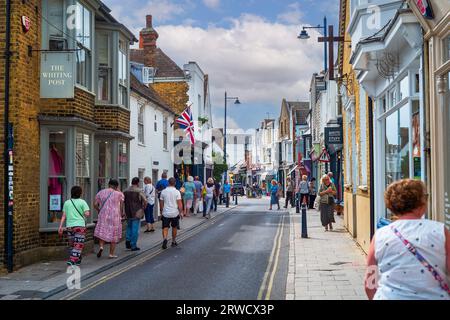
[{"x": 272, "y": 266}]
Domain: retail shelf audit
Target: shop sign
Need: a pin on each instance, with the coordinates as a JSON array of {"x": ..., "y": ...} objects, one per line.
[
  {"x": 333, "y": 135},
  {"x": 57, "y": 75},
  {"x": 425, "y": 9}
]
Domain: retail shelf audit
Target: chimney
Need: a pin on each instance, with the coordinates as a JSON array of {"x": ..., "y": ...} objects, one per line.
[{"x": 147, "y": 41}]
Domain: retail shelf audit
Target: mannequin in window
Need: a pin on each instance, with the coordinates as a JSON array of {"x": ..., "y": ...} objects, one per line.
[{"x": 55, "y": 168}]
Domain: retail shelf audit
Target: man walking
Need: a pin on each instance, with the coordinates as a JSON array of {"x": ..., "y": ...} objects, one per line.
[
  {"x": 135, "y": 204},
  {"x": 172, "y": 206},
  {"x": 226, "y": 192},
  {"x": 199, "y": 197},
  {"x": 289, "y": 193}
]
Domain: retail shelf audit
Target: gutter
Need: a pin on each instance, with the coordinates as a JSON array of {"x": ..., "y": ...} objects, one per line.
[{"x": 7, "y": 210}]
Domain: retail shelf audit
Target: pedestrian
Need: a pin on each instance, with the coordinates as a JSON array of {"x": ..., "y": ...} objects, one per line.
[
  {"x": 303, "y": 189},
  {"x": 135, "y": 204},
  {"x": 217, "y": 188},
  {"x": 327, "y": 192},
  {"x": 226, "y": 193},
  {"x": 209, "y": 196},
  {"x": 198, "y": 200},
  {"x": 75, "y": 211},
  {"x": 330, "y": 174},
  {"x": 410, "y": 258},
  {"x": 109, "y": 205},
  {"x": 189, "y": 195},
  {"x": 171, "y": 206},
  {"x": 274, "y": 195},
  {"x": 150, "y": 193},
  {"x": 289, "y": 193},
  {"x": 312, "y": 193},
  {"x": 162, "y": 184}
]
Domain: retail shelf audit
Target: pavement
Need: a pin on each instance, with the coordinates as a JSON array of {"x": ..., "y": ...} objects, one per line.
[
  {"x": 326, "y": 265},
  {"x": 45, "y": 279}
]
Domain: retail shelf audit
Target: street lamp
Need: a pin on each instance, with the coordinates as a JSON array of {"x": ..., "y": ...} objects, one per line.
[
  {"x": 236, "y": 101},
  {"x": 304, "y": 36}
]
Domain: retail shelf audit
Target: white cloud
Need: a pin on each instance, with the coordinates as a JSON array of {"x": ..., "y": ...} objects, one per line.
[
  {"x": 292, "y": 15},
  {"x": 213, "y": 4},
  {"x": 257, "y": 60}
]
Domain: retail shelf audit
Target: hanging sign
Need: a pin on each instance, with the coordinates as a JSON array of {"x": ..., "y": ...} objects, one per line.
[
  {"x": 425, "y": 9},
  {"x": 57, "y": 75},
  {"x": 324, "y": 157}
]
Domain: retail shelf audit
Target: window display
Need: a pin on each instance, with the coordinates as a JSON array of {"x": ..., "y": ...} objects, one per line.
[{"x": 56, "y": 175}]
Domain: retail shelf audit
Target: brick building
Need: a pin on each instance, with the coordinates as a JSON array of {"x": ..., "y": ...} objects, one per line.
[{"x": 69, "y": 95}]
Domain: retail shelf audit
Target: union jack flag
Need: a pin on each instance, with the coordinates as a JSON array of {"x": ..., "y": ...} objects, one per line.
[{"x": 185, "y": 122}]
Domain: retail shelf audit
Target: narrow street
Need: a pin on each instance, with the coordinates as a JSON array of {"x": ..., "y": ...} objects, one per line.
[{"x": 243, "y": 254}]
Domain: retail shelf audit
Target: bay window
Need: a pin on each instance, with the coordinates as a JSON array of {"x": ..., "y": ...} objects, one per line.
[
  {"x": 123, "y": 165},
  {"x": 123, "y": 73},
  {"x": 103, "y": 41},
  {"x": 105, "y": 163},
  {"x": 83, "y": 164},
  {"x": 83, "y": 50}
]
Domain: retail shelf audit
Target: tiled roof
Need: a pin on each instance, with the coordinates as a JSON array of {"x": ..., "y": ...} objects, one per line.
[
  {"x": 149, "y": 93},
  {"x": 165, "y": 67}
]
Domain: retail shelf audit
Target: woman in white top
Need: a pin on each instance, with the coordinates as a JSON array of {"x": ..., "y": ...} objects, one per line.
[
  {"x": 410, "y": 258},
  {"x": 210, "y": 192}
]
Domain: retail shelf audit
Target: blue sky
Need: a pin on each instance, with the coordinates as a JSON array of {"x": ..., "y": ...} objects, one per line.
[{"x": 248, "y": 48}]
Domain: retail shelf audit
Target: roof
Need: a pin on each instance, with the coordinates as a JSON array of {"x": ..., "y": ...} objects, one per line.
[
  {"x": 165, "y": 66},
  {"x": 300, "y": 110},
  {"x": 149, "y": 93}
]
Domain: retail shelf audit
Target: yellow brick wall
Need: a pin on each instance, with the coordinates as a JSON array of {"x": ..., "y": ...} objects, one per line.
[{"x": 174, "y": 94}]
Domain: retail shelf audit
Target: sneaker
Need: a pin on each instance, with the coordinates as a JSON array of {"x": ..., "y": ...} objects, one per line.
[
  {"x": 136, "y": 249},
  {"x": 128, "y": 244},
  {"x": 164, "y": 246},
  {"x": 174, "y": 244}
]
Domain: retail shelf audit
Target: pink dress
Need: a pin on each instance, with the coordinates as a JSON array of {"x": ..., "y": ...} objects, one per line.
[{"x": 109, "y": 224}]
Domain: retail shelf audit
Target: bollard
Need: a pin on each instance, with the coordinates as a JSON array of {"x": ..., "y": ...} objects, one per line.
[
  {"x": 304, "y": 225},
  {"x": 297, "y": 204},
  {"x": 236, "y": 199}
]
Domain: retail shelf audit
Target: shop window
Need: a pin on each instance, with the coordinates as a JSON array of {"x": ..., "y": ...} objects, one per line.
[
  {"x": 404, "y": 88},
  {"x": 397, "y": 146},
  {"x": 416, "y": 146},
  {"x": 57, "y": 184},
  {"x": 123, "y": 165},
  {"x": 83, "y": 164},
  {"x": 104, "y": 68},
  {"x": 83, "y": 53},
  {"x": 446, "y": 150},
  {"x": 105, "y": 168}
]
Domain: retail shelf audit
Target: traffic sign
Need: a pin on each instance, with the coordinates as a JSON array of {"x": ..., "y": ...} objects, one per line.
[{"x": 324, "y": 157}]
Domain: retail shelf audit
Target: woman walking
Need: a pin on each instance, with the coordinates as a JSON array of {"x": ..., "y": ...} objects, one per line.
[
  {"x": 410, "y": 258},
  {"x": 312, "y": 193},
  {"x": 327, "y": 193},
  {"x": 75, "y": 211},
  {"x": 109, "y": 204},
  {"x": 189, "y": 194},
  {"x": 274, "y": 195},
  {"x": 210, "y": 190},
  {"x": 150, "y": 192}
]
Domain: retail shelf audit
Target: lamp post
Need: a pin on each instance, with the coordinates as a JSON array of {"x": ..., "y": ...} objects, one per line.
[
  {"x": 225, "y": 127},
  {"x": 304, "y": 36}
]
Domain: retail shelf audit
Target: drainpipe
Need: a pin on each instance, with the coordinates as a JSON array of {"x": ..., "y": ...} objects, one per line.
[
  {"x": 8, "y": 213},
  {"x": 372, "y": 175}
]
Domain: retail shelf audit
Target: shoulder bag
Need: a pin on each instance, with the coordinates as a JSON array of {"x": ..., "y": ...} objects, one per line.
[{"x": 411, "y": 248}]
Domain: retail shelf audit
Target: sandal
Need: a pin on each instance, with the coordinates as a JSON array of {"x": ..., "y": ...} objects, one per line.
[{"x": 99, "y": 254}]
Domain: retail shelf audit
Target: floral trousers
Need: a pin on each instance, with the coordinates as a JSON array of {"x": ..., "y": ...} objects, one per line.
[{"x": 77, "y": 237}]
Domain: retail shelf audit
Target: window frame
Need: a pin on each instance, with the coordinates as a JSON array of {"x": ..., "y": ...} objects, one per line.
[{"x": 141, "y": 124}]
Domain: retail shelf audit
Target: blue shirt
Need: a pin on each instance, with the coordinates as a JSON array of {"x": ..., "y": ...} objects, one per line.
[
  {"x": 226, "y": 188},
  {"x": 162, "y": 184},
  {"x": 198, "y": 187},
  {"x": 274, "y": 190}
]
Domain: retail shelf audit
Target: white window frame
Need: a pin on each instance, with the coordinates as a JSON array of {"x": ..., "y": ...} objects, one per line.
[{"x": 141, "y": 124}]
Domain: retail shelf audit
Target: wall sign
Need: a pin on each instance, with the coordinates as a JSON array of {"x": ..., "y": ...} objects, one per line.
[
  {"x": 333, "y": 135},
  {"x": 57, "y": 75},
  {"x": 26, "y": 24},
  {"x": 425, "y": 9}
]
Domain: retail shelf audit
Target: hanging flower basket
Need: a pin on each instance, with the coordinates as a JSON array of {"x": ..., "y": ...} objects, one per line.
[{"x": 202, "y": 120}]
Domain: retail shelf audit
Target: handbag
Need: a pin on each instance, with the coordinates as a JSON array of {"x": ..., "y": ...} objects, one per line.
[{"x": 140, "y": 214}]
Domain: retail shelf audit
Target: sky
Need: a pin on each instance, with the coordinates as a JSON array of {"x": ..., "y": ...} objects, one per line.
[{"x": 248, "y": 48}]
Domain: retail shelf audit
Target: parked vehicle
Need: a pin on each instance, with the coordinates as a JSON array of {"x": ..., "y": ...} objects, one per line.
[{"x": 237, "y": 188}]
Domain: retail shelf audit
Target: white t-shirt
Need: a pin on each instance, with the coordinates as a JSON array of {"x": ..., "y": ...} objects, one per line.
[
  {"x": 149, "y": 191},
  {"x": 170, "y": 196}
]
